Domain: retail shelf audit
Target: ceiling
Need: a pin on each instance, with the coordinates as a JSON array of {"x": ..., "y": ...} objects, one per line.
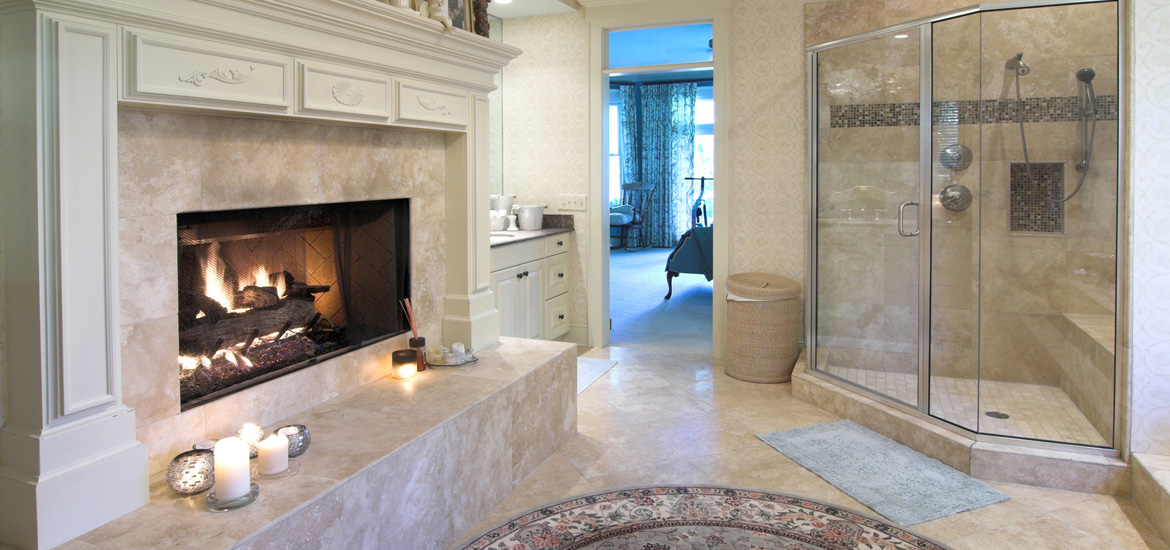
[{"x": 528, "y": 8}]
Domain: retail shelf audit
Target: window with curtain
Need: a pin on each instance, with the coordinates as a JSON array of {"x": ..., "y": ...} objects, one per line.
[{"x": 657, "y": 144}]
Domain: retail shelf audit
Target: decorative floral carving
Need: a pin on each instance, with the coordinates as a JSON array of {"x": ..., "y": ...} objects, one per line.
[
  {"x": 348, "y": 93},
  {"x": 434, "y": 106},
  {"x": 230, "y": 76}
]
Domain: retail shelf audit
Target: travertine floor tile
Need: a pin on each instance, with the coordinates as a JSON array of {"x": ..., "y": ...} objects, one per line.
[{"x": 678, "y": 419}]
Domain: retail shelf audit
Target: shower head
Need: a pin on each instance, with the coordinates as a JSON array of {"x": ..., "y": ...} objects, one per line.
[
  {"x": 1086, "y": 75},
  {"x": 1017, "y": 65}
]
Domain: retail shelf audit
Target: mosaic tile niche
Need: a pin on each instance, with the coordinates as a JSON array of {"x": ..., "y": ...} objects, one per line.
[{"x": 1031, "y": 207}]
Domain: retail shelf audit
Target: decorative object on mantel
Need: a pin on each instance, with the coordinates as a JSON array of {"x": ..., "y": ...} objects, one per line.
[
  {"x": 418, "y": 343},
  {"x": 456, "y": 356},
  {"x": 460, "y": 13},
  {"x": 405, "y": 363},
  {"x": 437, "y": 10},
  {"x": 233, "y": 479},
  {"x": 191, "y": 472},
  {"x": 251, "y": 434},
  {"x": 298, "y": 439},
  {"x": 399, "y": 3},
  {"x": 479, "y": 17}
]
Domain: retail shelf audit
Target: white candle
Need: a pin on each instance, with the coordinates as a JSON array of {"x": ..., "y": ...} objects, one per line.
[
  {"x": 232, "y": 476},
  {"x": 273, "y": 457}
]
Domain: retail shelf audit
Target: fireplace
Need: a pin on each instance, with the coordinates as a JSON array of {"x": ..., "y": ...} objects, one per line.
[{"x": 266, "y": 292}]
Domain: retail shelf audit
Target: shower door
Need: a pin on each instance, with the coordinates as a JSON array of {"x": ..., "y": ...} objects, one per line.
[
  {"x": 964, "y": 262},
  {"x": 869, "y": 203}
]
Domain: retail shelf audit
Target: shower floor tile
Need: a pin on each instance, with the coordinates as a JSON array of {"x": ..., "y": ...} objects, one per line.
[{"x": 1034, "y": 412}]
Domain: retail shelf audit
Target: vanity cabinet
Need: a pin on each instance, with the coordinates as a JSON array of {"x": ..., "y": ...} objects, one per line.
[{"x": 530, "y": 282}]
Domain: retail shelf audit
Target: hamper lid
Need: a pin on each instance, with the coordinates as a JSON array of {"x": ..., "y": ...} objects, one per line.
[{"x": 762, "y": 286}]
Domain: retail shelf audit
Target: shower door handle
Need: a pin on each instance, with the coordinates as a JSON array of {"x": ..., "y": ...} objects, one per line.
[{"x": 902, "y": 219}]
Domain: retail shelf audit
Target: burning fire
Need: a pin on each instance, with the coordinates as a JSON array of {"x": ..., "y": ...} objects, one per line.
[
  {"x": 219, "y": 288},
  {"x": 235, "y": 354}
]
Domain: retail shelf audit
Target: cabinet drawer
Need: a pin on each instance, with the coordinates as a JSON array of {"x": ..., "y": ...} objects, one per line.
[
  {"x": 332, "y": 90},
  {"x": 556, "y": 317},
  {"x": 430, "y": 103},
  {"x": 557, "y": 275},
  {"x": 557, "y": 243},
  {"x": 174, "y": 70}
]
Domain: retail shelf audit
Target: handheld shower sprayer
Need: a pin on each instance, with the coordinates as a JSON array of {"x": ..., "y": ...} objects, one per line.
[{"x": 1016, "y": 64}]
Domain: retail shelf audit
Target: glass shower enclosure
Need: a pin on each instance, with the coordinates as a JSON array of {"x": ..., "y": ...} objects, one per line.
[{"x": 964, "y": 263}]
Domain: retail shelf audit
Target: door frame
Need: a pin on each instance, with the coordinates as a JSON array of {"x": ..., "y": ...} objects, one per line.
[{"x": 652, "y": 13}]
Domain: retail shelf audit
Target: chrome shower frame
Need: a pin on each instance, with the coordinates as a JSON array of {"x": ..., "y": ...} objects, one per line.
[{"x": 922, "y": 411}]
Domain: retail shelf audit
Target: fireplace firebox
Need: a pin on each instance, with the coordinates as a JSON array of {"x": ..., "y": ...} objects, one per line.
[{"x": 265, "y": 292}]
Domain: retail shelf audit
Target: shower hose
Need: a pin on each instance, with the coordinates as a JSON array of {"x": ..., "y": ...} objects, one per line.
[{"x": 1024, "y": 143}]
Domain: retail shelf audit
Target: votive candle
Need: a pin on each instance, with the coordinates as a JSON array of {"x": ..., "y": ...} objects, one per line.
[
  {"x": 232, "y": 476},
  {"x": 405, "y": 363},
  {"x": 273, "y": 457}
]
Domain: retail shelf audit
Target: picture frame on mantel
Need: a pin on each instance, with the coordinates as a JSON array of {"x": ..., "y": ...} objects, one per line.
[{"x": 460, "y": 11}]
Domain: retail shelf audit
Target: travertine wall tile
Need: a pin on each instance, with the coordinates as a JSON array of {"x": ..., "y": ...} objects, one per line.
[
  {"x": 152, "y": 391},
  {"x": 148, "y": 268},
  {"x": 174, "y": 162}
]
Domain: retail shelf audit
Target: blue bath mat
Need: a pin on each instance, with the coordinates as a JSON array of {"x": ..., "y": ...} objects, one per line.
[{"x": 894, "y": 480}]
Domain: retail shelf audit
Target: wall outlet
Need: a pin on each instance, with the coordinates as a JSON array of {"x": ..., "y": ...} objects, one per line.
[{"x": 572, "y": 202}]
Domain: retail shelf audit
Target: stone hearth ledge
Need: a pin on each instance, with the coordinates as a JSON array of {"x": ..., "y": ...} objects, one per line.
[{"x": 396, "y": 464}]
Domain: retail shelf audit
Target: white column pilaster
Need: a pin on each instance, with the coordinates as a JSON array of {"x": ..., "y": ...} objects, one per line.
[
  {"x": 470, "y": 314},
  {"x": 69, "y": 460}
]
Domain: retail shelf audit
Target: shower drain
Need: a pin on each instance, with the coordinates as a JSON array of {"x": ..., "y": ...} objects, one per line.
[{"x": 997, "y": 414}]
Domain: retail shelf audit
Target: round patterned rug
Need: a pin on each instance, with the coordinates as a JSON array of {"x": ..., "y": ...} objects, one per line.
[{"x": 693, "y": 518}]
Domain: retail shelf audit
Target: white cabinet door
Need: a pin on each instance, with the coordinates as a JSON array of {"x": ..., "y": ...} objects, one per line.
[
  {"x": 506, "y": 285},
  {"x": 533, "y": 300}
]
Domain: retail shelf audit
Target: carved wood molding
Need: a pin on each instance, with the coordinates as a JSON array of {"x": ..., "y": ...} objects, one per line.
[
  {"x": 230, "y": 76},
  {"x": 348, "y": 93},
  {"x": 431, "y": 105}
]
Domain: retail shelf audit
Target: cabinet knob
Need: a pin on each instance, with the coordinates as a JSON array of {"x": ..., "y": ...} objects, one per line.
[
  {"x": 560, "y": 243},
  {"x": 561, "y": 275},
  {"x": 525, "y": 273},
  {"x": 561, "y": 316},
  {"x": 519, "y": 275}
]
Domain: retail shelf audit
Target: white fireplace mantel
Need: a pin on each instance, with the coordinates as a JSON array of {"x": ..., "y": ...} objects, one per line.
[{"x": 69, "y": 457}]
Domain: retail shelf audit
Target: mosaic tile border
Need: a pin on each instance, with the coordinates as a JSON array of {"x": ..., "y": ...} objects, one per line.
[
  {"x": 1030, "y": 209},
  {"x": 990, "y": 111}
]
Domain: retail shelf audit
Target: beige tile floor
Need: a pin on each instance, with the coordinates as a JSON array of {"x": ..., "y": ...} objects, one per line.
[
  {"x": 1035, "y": 412},
  {"x": 667, "y": 418}
]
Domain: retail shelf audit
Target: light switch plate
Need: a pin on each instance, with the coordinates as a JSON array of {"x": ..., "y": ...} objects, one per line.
[{"x": 572, "y": 202}]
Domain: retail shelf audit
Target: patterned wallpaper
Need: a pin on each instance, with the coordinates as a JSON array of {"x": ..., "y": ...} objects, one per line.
[
  {"x": 1150, "y": 226},
  {"x": 769, "y": 186},
  {"x": 546, "y": 127}
]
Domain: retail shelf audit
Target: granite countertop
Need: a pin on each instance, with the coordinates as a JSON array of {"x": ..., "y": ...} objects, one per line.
[{"x": 498, "y": 238}]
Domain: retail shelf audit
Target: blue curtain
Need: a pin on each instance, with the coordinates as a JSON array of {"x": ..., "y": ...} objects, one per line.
[{"x": 657, "y": 137}]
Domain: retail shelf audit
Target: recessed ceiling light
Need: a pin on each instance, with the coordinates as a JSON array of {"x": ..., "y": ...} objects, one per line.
[{"x": 895, "y": 36}]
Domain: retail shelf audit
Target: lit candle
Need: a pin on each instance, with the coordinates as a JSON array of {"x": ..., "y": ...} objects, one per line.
[
  {"x": 232, "y": 478},
  {"x": 273, "y": 454},
  {"x": 405, "y": 363}
]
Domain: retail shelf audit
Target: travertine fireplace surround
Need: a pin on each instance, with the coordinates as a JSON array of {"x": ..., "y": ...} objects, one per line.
[{"x": 273, "y": 102}]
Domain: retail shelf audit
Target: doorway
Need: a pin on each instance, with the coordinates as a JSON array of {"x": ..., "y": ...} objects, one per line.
[{"x": 660, "y": 167}]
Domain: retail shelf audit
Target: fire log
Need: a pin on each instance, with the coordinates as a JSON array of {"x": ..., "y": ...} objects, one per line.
[
  {"x": 303, "y": 290},
  {"x": 238, "y": 327},
  {"x": 257, "y": 297}
]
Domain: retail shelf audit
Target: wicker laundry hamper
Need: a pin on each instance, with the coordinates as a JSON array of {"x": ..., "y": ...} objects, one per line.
[{"x": 763, "y": 327}]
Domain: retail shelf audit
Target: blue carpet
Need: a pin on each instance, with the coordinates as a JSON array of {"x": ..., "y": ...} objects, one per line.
[
  {"x": 642, "y": 319},
  {"x": 895, "y": 481}
]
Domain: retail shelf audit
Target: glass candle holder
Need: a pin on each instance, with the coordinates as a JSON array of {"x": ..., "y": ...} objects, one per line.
[
  {"x": 191, "y": 472},
  {"x": 405, "y": 363},
  {"x": 298, "y": 439}
]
